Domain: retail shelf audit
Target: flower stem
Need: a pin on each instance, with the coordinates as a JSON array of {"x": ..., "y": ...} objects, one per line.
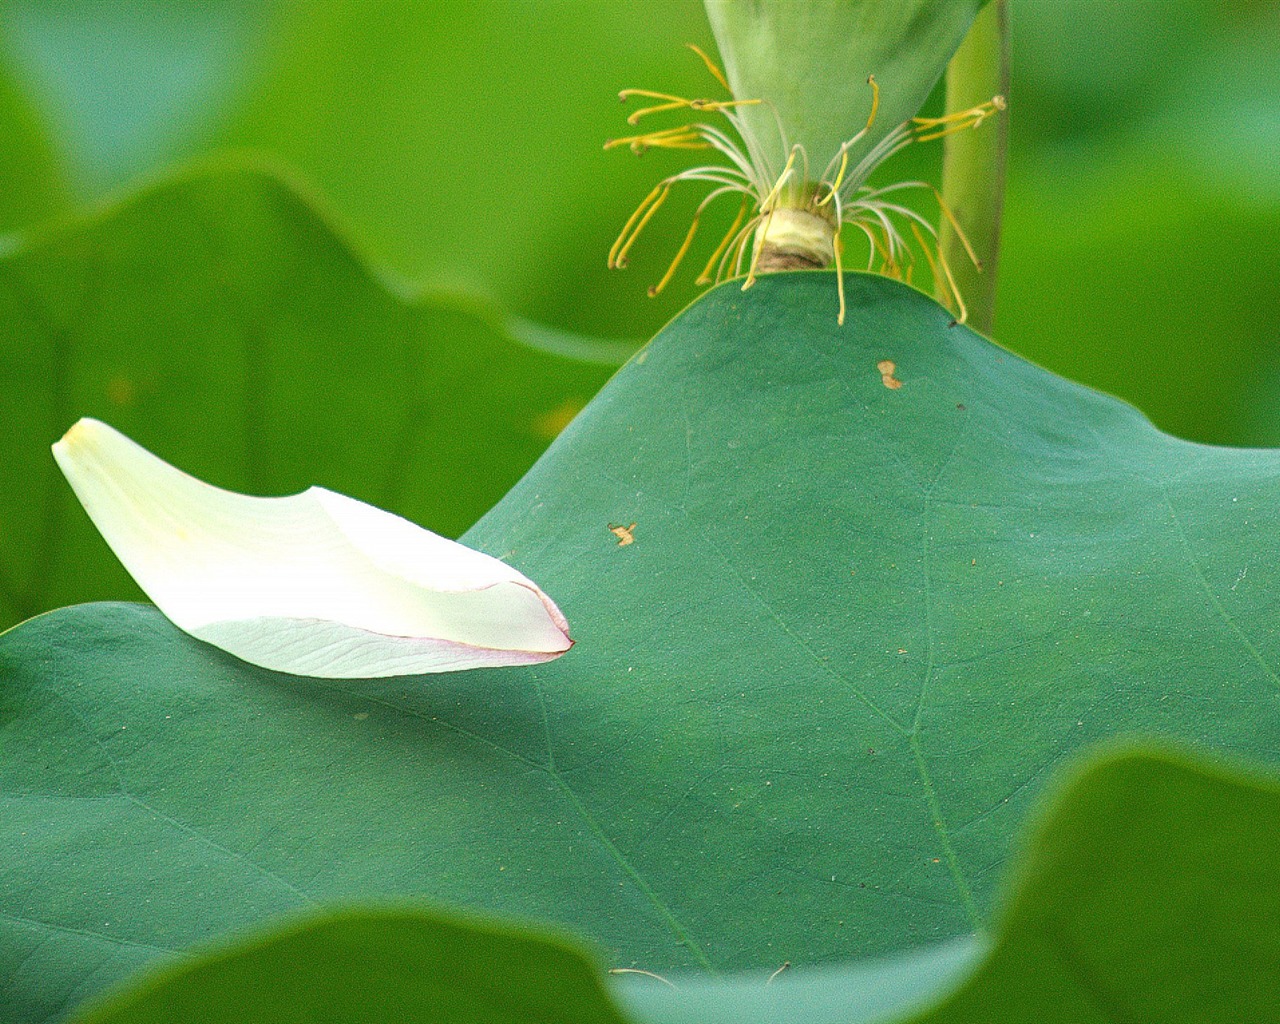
[{"x": 973, "y": 163}]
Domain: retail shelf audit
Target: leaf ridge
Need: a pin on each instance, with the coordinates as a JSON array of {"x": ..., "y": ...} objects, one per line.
[
  {"x": 680, "y": 930},
  {"x": 1214, "y": 600}
]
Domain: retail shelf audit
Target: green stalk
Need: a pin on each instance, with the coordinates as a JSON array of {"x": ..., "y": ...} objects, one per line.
[{"x": 973, "y": 163}]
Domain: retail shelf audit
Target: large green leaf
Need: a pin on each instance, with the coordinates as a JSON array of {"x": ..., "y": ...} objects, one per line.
[
  {"x": 1151, "y": 893},
  {"x": 808, "y": 708},
  {"x": 1097, "y": 929},
  {"x": 1148, "y": 893},
  {"x": 375, "y": 967},
  {"x": 219, "y": 318}
]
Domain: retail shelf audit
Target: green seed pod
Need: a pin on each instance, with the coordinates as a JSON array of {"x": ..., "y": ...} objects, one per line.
[{"x": 809, "y": 61}]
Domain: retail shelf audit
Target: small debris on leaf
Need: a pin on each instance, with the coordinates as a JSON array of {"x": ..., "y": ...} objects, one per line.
[
  {"x": 886, "y": 368},
  {"x": 625, "y": 534}
]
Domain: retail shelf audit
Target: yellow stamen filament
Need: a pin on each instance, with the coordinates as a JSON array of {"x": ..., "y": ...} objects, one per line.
[
  {"x": 680, "y": 254},
  {"x": 944, "y": 274},
  {"x": 705, "y": 276},
  {"x": 834, "y": 186},
  {"x": 955, "y": 224},
  {"x": 617, "y": 254},
  {"x": 670, "y": 102},
  {"x": 767, "y": 207},
  {"x": 739, "y": 250},
  {"x": 844, "y": 152},
  {"x": 716, "y": 73},
  {"x": 962, "y": 119},
  {"x": 839, "y": 277},
  {"x": 684, "y": 137},
  {"x": 653, "y": 208},
  {"x": 766, "y": 204}
]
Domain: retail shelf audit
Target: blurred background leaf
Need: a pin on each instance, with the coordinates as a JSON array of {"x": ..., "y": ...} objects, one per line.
[
  {"x": 33, "y": 183},
  {"x": 218, "y": 319},
  {"x": 458, "y": 145}
]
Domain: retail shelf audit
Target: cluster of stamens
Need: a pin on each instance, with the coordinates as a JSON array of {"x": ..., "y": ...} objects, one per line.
[{"x": 770, "y": 230}]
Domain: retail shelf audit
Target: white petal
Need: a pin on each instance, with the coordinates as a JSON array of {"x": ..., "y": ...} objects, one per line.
[{"x": 315, "y": 584}]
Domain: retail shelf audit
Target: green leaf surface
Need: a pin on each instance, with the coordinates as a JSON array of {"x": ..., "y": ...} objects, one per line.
[
  {"x": 1097, "y": 929},
  {"x": 1151, "y": 892},
  {"x": 808, "y": 709},
  {"x": 219, "y": 320},
  {"x": 375, "y": 966},
  {"x": 1147, "y": 892}
]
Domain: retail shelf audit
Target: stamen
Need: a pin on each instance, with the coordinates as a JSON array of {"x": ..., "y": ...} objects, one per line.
[
  {"x": 670, "y": 102},
  {"x": 834, "y": 187},
  {"x": 653, "y": 208},
  {"x": 684, "y": 137},
  {"x": 766, "y": 207},
  {"x": 626, "y": 228},
  {"x": 705, "y": 276},
  {"x": 958, "y": 121},
  {"x": 716, "y": 73},
  {"x": 739, "y": 250},
  {"x": 660, "y": 108},
  {"x": 955, "y": 224},
  {"x": 650, "y": 203},
  {"x": 649, "y": 94},
  {"x": 963, "y": 312},
  {"x": 839, "y": 277},
  {"x": 680, "y": 253}
]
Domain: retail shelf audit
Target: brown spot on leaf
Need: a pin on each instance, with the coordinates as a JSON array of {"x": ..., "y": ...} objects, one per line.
[
  {"x": 886, "y": 368},
  {"x": 625, "y": 534}
]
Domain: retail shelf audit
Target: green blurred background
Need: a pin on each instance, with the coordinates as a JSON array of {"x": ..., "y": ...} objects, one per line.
[{"x": 456, "y": 144}]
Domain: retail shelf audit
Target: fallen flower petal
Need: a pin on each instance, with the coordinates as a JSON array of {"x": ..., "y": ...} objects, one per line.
[{"x": 313, "y": 584}]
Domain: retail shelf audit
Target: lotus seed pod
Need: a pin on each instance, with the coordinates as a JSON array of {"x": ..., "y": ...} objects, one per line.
[{"x": 809, "y": 61}]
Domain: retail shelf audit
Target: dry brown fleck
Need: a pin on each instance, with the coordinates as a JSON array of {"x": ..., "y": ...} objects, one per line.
[
  {"x": 625, "y": 534},
  {"x": 886, "y": 368}
]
